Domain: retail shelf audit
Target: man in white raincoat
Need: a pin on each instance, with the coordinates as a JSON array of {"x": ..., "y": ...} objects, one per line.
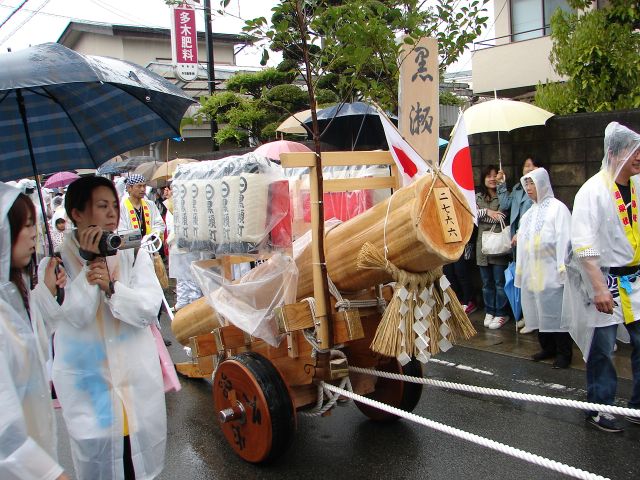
[
  {"x": 106, "y": 368},
  {"x": 540, "y": 269},
  {"x": 27, "y": 424},
  {"x": 604, "y": 291}
]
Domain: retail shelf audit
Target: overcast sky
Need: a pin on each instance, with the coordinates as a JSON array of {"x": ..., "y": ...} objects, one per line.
[{"x": 42, "y": 21}]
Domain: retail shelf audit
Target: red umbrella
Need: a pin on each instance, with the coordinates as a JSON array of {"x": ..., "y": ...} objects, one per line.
[
  {"x": 60, "y": 179},
  {"x": 273, "y": 150}
]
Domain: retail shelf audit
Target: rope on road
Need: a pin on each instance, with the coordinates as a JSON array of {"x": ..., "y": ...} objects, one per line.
[
  {"x": 492, "y": 444},
  {"x": 563, "y": 402}
]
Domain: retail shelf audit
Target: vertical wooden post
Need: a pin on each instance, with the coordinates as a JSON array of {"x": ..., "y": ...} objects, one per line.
[{"x": 323, "y": 326}]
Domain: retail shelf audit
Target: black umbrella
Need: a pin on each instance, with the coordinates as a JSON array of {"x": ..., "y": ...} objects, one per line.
[
  {"x": 61, "y": 110},
  {"x": 351, "y": 125}
]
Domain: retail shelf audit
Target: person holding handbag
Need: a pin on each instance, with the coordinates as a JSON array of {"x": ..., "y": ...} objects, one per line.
[{"x": 492, "y": 267}]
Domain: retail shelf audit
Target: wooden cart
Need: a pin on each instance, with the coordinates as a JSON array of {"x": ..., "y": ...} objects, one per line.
[{"x": 258, "y": 389}]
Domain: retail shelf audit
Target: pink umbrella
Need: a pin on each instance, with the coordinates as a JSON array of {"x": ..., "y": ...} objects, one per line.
[
  {"x": 273, "y": 150},
  {"x": 60, "y": 179}
]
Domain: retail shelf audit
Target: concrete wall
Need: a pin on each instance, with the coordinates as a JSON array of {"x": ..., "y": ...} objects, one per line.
[{"x": 570, "y": 147}]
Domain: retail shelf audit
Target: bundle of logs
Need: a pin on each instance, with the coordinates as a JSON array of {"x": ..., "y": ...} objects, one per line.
[{"x": 404, "y": 238}]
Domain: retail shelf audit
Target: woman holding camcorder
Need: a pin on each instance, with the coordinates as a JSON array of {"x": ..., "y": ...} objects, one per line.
[{"x": 106, "y": 369}]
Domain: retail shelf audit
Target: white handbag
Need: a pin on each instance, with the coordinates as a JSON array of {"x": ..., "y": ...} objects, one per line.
[{"x": 497, "y": 243}]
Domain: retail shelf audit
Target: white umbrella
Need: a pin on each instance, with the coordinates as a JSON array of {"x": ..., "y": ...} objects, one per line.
[
  {"x": 501, "y": 115},
  {"x": 293, "y": 124}
]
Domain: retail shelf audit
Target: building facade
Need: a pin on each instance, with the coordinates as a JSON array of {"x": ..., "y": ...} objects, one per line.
[{"x": 517, "y": 59}]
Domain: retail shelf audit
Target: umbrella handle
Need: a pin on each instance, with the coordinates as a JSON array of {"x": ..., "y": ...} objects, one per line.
[{"x": 59, "y": 290}]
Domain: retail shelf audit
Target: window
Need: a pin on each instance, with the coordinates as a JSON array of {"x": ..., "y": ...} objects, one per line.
[{"x": 531, "y": 18}]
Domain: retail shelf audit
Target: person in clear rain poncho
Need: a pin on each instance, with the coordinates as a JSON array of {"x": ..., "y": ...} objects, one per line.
[
  {"x": 603, "y": 290},
  {"x": 27, "y": 423},
  {"x": 106, "y": 368},
  {"x": 543, "y": 240}
]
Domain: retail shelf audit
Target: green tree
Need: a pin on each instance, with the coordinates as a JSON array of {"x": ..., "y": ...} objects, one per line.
[
  {"x": 598, "y": 51},
  {"x": 254, "y": 105},
  {"x": 351, "y": 44}
]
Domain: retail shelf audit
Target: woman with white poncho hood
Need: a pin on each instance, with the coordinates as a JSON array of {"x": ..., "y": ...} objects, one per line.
[
  {"x": 543, "y": 241},
  {"x": 106, "y": 368},
  {"x": 27, "y": 423}
]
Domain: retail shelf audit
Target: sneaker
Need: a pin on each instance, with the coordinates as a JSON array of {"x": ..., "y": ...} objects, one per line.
[
  {"x": 498, "y": 322},
  {"x": 561, "y": 363},
  {"x": 631, "y": 419},
  {"x": 526, "y": 330},
  {"x": 488, "y": 318},
  {"x": 605, "y": 422},
  {"x": 519, "y": 324},
  {"x": 470, "y": 307}
]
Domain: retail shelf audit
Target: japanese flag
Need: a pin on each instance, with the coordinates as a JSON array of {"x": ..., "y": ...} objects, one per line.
[
  {"x": 457, "y": 165},
  {"x": 410, "y": 163}
]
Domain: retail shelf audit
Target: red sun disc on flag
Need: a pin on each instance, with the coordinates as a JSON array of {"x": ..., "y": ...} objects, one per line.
[
  {"x": 461, "y": 169},
  {"x": 407, "y": 164}
]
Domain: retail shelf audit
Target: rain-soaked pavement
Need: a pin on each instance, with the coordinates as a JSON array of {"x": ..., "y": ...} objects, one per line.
[{"x": 347, "y": 445}]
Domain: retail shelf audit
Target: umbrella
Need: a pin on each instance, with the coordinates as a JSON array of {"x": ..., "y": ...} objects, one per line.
[
  {"x": 61, "y": 110},
  {"x": 513, "y": 293},
  {"x": 293, "y": 124},
  {"x": 501, "y": 115},
  {"x": 117, "y": 167},
  {"x": 147, "y": 168},
  {"x": 60, "y": 179},
  {"x": 347, "y": 125},
  {"x": 273, "y": 150},
  {"x": 166, "y": 170}
]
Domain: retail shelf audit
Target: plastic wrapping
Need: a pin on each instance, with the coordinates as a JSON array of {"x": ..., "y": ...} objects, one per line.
[
  {"x": 249, "y": 304},
  {"x": 339, "y": 205},
  {"x": 235, "y": 205}
]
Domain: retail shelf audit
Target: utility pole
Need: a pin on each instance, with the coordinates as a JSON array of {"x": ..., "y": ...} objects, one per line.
[{"x": 211, "y": 75}]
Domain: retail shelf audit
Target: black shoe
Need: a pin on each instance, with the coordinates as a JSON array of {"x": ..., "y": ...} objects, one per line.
[
  {"x": 561, "y": 362},
  {"x": 167, "y": 343},
  {"x": 543, "y": 355},
  {"x": 605, "y": 422}
]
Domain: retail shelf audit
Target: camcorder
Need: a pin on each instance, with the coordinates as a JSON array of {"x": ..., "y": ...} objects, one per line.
[{"x": 111, "y": 242}]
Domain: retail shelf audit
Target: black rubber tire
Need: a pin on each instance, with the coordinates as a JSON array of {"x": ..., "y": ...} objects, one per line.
[{"x": 406, "y": 400}]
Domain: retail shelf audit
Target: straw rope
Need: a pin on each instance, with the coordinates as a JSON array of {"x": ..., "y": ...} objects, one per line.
[{"x": 395, "y": 334}]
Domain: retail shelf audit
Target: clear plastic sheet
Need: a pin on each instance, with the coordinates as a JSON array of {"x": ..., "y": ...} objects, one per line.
[
  {"x": 249, "y": 303},
  {"x": 235, "y": 205},
  {"x": 339, "y": 205}
]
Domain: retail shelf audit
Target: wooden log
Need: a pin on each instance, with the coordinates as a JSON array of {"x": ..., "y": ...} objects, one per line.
[
  {"x": 414, "y": 238},
  {"x": 194, "y": 319}
]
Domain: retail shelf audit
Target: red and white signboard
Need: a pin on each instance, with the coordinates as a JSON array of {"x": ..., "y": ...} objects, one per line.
[{"x": 184, "y": 42}]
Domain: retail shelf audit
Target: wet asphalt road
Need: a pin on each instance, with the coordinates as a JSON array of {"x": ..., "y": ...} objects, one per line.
[{"x": 347, "y": 445}]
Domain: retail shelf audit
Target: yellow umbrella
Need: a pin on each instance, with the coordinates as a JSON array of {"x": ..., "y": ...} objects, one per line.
[
  {"x": 293, "y": 124},
  {"x": 166, "y": 170}
]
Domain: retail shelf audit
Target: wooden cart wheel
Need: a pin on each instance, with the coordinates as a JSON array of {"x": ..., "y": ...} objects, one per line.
[
  {"x": 397, "y": 393},
  {"x": 254, "y": 407}
]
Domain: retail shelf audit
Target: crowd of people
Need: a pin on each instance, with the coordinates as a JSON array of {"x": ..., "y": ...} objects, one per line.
[{"x": 577, "y": 274}]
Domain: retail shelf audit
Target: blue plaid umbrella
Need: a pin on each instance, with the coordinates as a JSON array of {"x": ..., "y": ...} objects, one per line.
[{"x": 60, "y": 110}]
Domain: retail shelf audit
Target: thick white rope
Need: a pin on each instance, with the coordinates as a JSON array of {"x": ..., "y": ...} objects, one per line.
[
  {"x": 471, "y": 437},
  {"x": 563, "y": 402}
]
